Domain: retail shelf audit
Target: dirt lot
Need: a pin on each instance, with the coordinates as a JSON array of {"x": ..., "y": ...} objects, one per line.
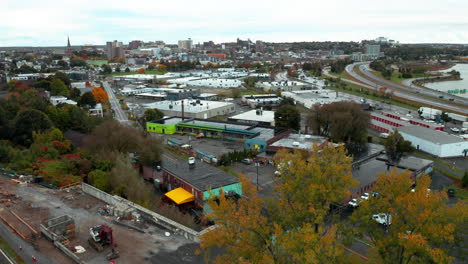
[{"x": 36, "y": 204}]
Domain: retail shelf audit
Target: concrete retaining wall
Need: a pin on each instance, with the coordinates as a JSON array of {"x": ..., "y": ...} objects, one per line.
[
  {"x": 149, "y": 215},
  {"x": 67, "y": 252}
]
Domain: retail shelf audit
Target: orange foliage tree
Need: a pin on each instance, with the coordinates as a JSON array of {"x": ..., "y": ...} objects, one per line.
[
  {"x": 141, "y": 70},
  {"x": 162, "y": 68},
  {"x": 421, "y": 226},
  {"x": 289, "y": 226},
  {"x": 100, "y": 95}
]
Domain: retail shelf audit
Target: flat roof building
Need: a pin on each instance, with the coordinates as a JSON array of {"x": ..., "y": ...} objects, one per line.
[
  {"x": 257, "y": 116},
  {"x": 435, "y": 142},
  {"x": 192, "y": 108}
]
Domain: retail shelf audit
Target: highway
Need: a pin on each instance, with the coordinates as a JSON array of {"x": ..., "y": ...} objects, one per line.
[
  {"x": 374, "y": 82},
  {"x": 119, "y": 114}
]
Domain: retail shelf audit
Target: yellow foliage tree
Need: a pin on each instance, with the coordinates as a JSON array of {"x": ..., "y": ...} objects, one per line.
[
  {"x": 289, "y": 226},
  {"x": 421, "y": 227}
]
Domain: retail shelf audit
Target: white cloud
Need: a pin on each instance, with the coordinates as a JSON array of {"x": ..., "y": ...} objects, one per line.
[{"x": 47, "y": 22}]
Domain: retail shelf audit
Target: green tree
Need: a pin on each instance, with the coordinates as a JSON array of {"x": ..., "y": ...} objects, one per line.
[
  {"x": 464, "y": 181},
  {"x": 26, "y": 122},
  {"x": 100, "y": 180},
  {"x": 57, "y": 87},
  {"x": 127, "y": 69},
  {"x": 421, "y": 226},
  {"x": 106, "y": 69},
  {"x": 62, "y": 64},
  {"x": 152, "y": 115},
  {"x": 77, "y": 62},
  {"x": 396, "y": 146},
  {"x": 87, "y": 99},
  {"x": 62, "y": 76},
  {"x": 287, "y": 116},
  {"x": 341, "y": 121}
]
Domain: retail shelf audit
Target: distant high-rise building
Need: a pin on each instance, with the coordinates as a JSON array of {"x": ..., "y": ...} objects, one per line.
[
  {"x": 185, "y": 44},
  {"x": 373, "y": 50},
  {"x": 68, "y": 49},
  {"x": 135, "y": 44},
  {"x": 114, "y": 49}
]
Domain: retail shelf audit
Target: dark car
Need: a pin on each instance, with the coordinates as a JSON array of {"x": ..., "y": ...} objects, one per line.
[{"x": 451, "y": 192}]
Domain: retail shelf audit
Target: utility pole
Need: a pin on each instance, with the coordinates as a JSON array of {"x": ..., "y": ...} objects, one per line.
[{"x": 257, "y": 165}]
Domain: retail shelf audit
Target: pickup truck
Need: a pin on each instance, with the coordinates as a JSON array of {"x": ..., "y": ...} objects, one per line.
[{"x": 382, "y": 218}]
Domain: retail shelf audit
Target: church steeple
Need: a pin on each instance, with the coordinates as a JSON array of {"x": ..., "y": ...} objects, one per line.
[{"x": 68, "y": 49}]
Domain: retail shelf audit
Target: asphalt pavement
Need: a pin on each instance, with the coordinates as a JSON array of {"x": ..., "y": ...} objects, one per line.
[
  {"x": 27, "y": 250},
  {"x": 119, "y": 114}
]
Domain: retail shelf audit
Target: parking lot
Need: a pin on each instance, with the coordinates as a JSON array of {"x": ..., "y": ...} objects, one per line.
[
  {"x": 211, "y": 146},
  {"x": 266, "y": 178}
]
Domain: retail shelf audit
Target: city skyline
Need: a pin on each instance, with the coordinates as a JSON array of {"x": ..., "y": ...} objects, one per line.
[{"x": 94, "y": 22}]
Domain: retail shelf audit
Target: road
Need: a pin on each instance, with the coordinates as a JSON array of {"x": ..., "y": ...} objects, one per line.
[
  {"x": 27, "y": 250},
  {"x": 374, "y": 82},
  {"x": 119, "y": 114},
  {"x": 281, "y": 76}
]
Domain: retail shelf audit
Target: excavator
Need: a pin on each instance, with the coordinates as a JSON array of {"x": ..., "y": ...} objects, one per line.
[{"x": 101, "y": 236}]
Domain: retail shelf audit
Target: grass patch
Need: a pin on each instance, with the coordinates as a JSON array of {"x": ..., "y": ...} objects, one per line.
[
  {"x": 133, "y": 73},
  {"x": 11, "y": 253},
  {"x": 447, "y": 173},
  {"x": 459, "y": 192},
  {"x": 440, "y": 162},
  {"x": 370, "y": 94},
  {"x": 250, "y": 91},
  {"x": 396, "y": 76}
]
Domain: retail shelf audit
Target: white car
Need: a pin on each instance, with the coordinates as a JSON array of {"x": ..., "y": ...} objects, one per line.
[
  {"x": 382, "y": 218},
  {"x": 354, "y": 202},
  {"x": 191, "y": 161},
  {"x": 455, "y": 130},
  {"x": 365, "y": 196}
]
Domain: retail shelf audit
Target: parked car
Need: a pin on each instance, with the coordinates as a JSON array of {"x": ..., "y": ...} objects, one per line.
[
  {"x": 382, "y": 218},
  {"x": 451, "y": 192},
  {"x": 191, "y": 161},
  {"x": 365, "y": 196},
  {"x": 455, "y": 130},
  {"x": 354, "y": 202},
  {"x": 247, "y": 161}
]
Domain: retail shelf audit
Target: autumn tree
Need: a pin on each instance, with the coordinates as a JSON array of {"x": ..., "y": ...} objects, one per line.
[
  {"x": 287, "y": 116},
  {"x": 421, "y": 226},
  {"x": 289, "y": 226},
  {"x": 396, "y": 146},
  {"x": 341, "y": 121},
  {"x": 100, "y": 95},
  {"x": 162, "y": 68}
]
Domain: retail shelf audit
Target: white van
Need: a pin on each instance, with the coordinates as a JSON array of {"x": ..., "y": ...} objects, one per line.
[{"x": 384, "y": 135}]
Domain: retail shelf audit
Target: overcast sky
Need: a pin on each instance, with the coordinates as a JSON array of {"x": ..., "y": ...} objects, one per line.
[{"x": 48, "y": 22}]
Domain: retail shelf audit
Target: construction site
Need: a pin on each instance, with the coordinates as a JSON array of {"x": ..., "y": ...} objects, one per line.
[{"x": 71, "y": 226}]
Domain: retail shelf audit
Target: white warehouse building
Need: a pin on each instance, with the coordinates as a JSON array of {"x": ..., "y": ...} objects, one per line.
[
  {"x": 193, "y": 108},
  {"x": 434, "y": 142}
]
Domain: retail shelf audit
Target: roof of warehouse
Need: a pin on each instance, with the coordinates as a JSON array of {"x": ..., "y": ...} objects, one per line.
[
  {"x": 202, "y": 176},
  {"x": 431, "y": 135}
]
